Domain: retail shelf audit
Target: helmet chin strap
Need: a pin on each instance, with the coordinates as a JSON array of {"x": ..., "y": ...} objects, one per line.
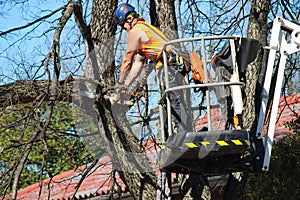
[{"x": 130, "y": 23}]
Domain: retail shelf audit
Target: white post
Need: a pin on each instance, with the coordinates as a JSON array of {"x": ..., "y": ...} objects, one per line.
[
  {"x": 236, "y": 92},
  {"x": 274, "y": 110},
  {"x": 274, "y": 46},
  {"x": 286, "y": 48},
  {"x": 207, "y": 93}
]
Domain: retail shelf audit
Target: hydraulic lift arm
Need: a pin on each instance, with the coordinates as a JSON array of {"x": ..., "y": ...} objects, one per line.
[{"x": 285, "y": 39}]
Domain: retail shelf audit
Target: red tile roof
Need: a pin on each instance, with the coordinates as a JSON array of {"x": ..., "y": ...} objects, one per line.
[
  {"x": 62, "y": 186},
  {"x": 98, "y": 181},
  {"x": 288, "y": 108}
]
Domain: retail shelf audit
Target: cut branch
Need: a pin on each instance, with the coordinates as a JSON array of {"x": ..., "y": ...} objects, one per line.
[{"x": 27, "y": 91}]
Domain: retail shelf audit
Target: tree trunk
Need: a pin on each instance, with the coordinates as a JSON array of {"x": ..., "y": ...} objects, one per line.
[
  {"x": 126, "y": 154},
  {"x": 163, "y": 16},
  {"x": 257, "y": 29}
]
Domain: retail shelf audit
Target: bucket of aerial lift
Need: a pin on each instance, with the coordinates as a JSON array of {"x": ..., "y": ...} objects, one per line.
[{"x": 207, "y": 152}]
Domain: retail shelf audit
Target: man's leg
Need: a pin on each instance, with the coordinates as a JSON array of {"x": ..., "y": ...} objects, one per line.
[{"x": 178, "y": 108}]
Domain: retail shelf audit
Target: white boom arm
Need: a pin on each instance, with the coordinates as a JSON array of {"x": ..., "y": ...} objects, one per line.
[{"x": 286, "y": 46}]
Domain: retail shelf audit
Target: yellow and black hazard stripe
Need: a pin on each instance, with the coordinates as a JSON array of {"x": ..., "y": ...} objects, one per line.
[{"x": 221, "y": 143}]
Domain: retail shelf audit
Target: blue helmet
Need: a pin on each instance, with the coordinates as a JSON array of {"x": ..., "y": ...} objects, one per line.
[{"x": 122, "y": 11}]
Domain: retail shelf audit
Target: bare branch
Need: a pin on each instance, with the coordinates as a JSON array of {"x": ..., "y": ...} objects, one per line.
[
  {"x": 84, "y": 28},
  {"x": 31, "y": 23},
  {"x": 20, "y": 169}
]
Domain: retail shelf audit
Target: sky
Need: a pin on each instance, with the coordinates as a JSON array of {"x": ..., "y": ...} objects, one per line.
[{"x": 26, "y": 48}]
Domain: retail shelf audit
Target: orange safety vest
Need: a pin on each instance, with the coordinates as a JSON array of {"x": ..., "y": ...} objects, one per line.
[{"x": 152, "y": 49}]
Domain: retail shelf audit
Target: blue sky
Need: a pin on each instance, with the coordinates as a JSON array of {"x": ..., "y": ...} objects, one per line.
[{"x": 30, "y": 47}]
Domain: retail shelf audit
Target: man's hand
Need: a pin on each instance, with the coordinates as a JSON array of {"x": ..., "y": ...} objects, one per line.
[
  {"x": 113, "y": 98},
  {"x": 119, "y": 95},
  {"x": 121, "y": 89}
]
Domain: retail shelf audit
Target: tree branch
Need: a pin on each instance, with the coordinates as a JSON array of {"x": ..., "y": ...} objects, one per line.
[
  {"x": 31, "y": 23},
  {"x": 21, "y": 92},
  {"x": 19, "y": 170},
  {"x": 83, "y": 27}
]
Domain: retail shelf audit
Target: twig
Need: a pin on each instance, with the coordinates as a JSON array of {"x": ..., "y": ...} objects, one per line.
[{"x": 33, "y": 22}]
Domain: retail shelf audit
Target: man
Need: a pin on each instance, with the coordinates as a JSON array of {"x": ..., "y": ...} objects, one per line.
[{"x": 145, "y": 42}]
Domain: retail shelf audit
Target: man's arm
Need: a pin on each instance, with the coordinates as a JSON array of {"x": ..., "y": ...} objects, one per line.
[
  {"x": 126, "y": 65},
  {"x": 136, "y": 69},
  {"x": 135, "y": 38}
]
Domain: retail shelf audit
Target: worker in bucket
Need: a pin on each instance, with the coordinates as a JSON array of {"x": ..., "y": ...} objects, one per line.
[{"x": 145, "y": 42}]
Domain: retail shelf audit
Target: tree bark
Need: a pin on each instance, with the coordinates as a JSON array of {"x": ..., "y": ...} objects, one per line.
[
  {"x": 163, "y": 16},
  {"x": 127, "y": 155},
  {"x": 257, "y": 29}
]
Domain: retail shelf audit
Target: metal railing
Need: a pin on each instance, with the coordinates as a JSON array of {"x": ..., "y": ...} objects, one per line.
[{"x": 164, "y": 95}]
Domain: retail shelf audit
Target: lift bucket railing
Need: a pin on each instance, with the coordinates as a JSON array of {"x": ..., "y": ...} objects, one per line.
[{"x": 210, "y": 150}]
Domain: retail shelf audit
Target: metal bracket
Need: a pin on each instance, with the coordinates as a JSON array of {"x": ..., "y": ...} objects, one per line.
[{"x": 285, "y": 47}]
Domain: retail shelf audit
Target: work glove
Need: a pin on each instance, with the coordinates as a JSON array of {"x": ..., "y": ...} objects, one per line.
[
  {"x": 119, "y": 95},
  {"x": 121, "y": 89}
]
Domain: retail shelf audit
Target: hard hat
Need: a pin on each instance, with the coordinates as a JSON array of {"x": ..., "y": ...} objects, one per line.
[{"x": 122, "y": 11}]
